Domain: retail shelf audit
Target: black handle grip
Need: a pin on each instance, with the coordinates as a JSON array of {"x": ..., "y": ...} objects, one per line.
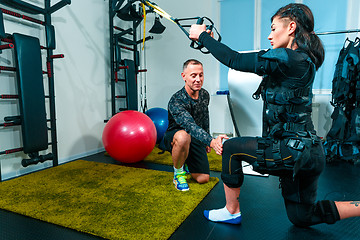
[
  {"x": 195, "y": 44},
  {"x": 200, "y": 21},
  {"x": 36, "y": 159}
]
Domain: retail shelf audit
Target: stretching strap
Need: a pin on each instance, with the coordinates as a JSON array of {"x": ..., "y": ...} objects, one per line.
[
  {"x": 200, "y": 20},
  {"x": 276, "y": 166},
  {"x": 144, "y": 11},
  {"x": 159, "y": 11}
]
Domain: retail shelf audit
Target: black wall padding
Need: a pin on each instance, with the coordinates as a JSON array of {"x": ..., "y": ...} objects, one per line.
[
  {"x": 50, "y": 36},
  {"x": 31, "y": 93},
  {"x": 117, "y": 53},
  {"x": 131, "y": 85},
  {"x": 2, "y": 28}
]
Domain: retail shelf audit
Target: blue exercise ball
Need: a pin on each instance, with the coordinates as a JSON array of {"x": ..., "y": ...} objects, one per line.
[{"x": 159, "y": 116}]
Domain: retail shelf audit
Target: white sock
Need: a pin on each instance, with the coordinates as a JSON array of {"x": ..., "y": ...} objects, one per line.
[
  {"x": 178, "y": 170},
  {"x": 222, "y": 214}
]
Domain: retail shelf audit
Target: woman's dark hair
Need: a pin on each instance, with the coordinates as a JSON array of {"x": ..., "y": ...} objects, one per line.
[{"x": 305, "y": 38}]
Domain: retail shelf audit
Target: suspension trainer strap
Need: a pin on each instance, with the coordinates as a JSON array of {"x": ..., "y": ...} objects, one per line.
[
  {"x": 200, "y": 20},
  {"x": 260, "y": 152},
  {"x": 276, "y": 152},
  {"x": 159, "y": 11}
]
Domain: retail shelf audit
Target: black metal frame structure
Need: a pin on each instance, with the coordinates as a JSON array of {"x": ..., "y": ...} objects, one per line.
[
  {"x": 118, "y": 41},
  {"x": 46, "y": 12}
]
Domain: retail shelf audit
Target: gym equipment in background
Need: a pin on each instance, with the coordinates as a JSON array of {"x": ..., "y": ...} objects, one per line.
[
  {"x": 122, "y": 39},
  {"x": 159, "y": 116},
  {"x": 29, "y": 74}
]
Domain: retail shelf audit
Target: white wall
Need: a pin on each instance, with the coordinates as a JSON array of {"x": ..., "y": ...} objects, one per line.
[{"x": 82, "y": 78}]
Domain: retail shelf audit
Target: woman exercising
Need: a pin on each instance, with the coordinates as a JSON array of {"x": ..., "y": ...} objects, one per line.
[{"x": 289, "y": 147}]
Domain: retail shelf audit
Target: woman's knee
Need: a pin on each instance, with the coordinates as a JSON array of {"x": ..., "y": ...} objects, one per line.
[
  {"x": 229, "y": 145},
  {"x": 305, "y": 215},
  {"x": 299, "y": 214},
  {"x": 299, "y": 220},
  {"x": 232, "y": 180},
  {"x": 240, "y": 144}
]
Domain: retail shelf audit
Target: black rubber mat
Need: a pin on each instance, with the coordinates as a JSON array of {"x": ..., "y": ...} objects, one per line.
[{"x": 262, "y": 207}]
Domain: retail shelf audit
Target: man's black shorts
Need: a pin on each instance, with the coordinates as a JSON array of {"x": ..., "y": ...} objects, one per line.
[{"x": 197, "y": 160}]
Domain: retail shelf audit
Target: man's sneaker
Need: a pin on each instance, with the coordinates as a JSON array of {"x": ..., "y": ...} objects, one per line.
[
  {"x": 180, "y": 182},
  {"x": 186, "y": 169}
]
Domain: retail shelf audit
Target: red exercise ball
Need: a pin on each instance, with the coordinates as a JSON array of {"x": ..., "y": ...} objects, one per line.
[{"x": 129, "y": 136}]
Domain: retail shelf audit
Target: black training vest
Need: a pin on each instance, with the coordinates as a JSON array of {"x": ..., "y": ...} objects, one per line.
[
  {"x": 286, "y": 116},
  {"x": 286, "y": 112}
]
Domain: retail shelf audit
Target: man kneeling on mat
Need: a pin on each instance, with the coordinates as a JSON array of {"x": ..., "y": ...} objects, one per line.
[{"x": 187, "y": 137}]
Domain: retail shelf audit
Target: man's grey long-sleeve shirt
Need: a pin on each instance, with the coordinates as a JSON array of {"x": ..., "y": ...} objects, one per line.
[{"x": 189, "y": 114}]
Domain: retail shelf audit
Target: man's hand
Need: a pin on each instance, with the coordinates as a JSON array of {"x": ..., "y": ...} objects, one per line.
[
  {"x": 208, "y": 149},
  {"x": 217, "y": 145}
]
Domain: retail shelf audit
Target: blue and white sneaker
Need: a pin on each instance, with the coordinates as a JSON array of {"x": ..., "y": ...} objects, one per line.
[
  {"x": 186, "y": 169},
  {"x": 180, "y": 182}
]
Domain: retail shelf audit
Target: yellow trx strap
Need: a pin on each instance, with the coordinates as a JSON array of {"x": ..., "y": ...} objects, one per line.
[
  {"x": 159, "y": 11},
  {"x": 144, "y": 10}
]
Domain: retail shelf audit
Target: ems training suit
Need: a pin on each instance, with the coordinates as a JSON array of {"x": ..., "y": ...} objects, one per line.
[
  {"x": 289, "y": 147},
  {"x": 191, "y": 115}
]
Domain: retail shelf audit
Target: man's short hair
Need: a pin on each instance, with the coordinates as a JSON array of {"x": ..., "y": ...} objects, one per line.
[{"x": 191, "y": 61}]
